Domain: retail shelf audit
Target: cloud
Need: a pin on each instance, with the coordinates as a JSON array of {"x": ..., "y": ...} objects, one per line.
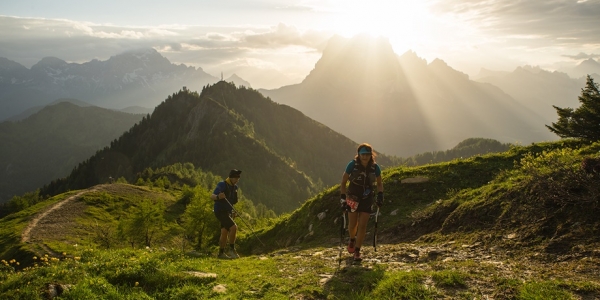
[
  {"x": 218, "y": 36},
  {"x": 552, "y": 22},
  {"x": 283, "y": 35},
  {"x": 582, "y": 56},
  {"x": 272, "y": 55},
  {"x": 175, "y": 47},
  {"x": 27, "y": 40},
  {"x": 508, "y": 34}
]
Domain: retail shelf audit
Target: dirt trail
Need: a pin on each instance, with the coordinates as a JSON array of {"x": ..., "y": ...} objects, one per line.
[
  {"x": 33, "y": 224},
  {"x": 59, "y": 221}
]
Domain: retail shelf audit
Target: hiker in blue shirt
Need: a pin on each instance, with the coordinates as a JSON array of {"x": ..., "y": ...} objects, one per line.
[
  {"x": 364, "y": 176},
  {"x": 225, "y": 196}
]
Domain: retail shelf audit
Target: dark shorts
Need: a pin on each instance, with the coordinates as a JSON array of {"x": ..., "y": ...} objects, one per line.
[
  {"x": 364, "y": 205},
  {"x": 225, "y": 218}
]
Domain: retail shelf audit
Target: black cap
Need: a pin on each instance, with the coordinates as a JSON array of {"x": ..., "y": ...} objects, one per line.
[{"x": 235, "y": 173}]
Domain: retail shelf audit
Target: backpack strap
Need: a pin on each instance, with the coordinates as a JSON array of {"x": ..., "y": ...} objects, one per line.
[
  {"x": 229, "y": 193},
  {"x": 370, "y": 170}
]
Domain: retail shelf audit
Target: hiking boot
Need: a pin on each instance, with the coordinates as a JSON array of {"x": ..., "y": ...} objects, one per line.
[
  {"x": 351, "y": 246},
  {"x": 357, "y": 255},
  {"x": 222, "y": 255},
  {"x": 233, "y": 254}
]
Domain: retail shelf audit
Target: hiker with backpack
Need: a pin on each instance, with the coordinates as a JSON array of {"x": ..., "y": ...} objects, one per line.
[
  {"x": 364, "y": 177},
  {"x": 224, "y": 197}
]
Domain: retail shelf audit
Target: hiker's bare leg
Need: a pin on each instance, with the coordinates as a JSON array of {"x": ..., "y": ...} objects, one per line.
[
  {"x": 363, "y": 220},
  {"x": 352, "y": 222},
  {"x": 232, "y": 233},
  {"x": 223, "y": 238}
]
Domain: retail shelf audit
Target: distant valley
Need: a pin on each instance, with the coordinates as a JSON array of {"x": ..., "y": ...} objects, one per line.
[{"x": 50, "y": 143}]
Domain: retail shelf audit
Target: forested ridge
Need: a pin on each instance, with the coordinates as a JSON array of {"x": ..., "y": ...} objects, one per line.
[{"x": 222, "y": 128}]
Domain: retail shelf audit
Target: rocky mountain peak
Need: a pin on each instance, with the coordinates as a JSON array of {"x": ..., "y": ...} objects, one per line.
[
  {"x": 411, "y": 62},
  {"x": 51, "y": 62},
  {"x": 586, "y": 67},
  {"x": 411, "y": 57},
  {"x": 147, "y": 59},
  {"x": 360, "y": 58},
  {"x": 590, "y": 62},
  {"x": 49, "y": 67},
  {"x": 12, "y": 72},
  {"x": 440, "y": 66},
  {"x": 8, "y": 65},
  {"x": 143, "y": 54}
]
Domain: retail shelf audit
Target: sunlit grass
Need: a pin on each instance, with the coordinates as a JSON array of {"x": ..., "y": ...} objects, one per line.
[
  {"x": 543, "y": 290},
  {"x": 405, "y": 285}
]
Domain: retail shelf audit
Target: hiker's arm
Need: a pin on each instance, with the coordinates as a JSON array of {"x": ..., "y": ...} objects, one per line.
[
  {"x": 217, "y": 193},
  {"x": 379, "y": 184},
  {"x": 219, "y": 196},
  {"x": 344, "y": 182}
]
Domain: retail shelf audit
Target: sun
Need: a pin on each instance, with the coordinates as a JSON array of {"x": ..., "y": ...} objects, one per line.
[{"x": 403, "y": 22}]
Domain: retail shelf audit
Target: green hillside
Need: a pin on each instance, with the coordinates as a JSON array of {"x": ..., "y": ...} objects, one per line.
[
  {"x": 50, "y": 143},
  {"x": 491, "y": 194},
  {"x": 521, "y": 224}
]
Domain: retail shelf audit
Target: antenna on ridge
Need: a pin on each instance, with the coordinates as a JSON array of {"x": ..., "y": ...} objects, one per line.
[{"x": 221, "y": 76}]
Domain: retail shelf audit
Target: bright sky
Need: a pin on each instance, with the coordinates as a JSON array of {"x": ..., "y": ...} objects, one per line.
[{"x": 271, "y": 43}]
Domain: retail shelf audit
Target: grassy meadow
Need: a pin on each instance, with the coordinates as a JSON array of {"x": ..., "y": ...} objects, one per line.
[{"x": 521, "y": 224}]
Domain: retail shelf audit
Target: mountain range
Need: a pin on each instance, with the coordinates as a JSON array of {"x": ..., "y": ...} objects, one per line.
[
  {"x": 537, "y": 89},
  {"x": 135, "y": 78},
  {"x": 404, "y": 105},
  {"x": 587, "y": 67},
  {"x": 360, "y": 88}
]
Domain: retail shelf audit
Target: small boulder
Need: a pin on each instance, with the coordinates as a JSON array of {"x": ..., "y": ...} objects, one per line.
[{"x": 417, "y": 179}]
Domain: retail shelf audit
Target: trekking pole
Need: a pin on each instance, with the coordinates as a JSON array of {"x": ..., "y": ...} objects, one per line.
[
  {"x": 375, "y": 233},
  {"x": 342, "y": 232},
  {"x": 244, "y": 221}
]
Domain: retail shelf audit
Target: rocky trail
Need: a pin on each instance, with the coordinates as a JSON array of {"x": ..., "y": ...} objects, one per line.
[
  {"x": 56, "y": 221},
  {"x": 53, "y": 219},
  {"x": 483, "y": 268}
]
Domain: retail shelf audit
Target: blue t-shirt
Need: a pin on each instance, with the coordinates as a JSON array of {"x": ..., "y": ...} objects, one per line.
[{"x": 230, "y": 194}]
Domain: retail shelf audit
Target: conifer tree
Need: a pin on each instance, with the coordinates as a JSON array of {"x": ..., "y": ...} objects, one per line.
[
  {"x": 144, "y": 223},
  {"x": 583, "y": 122}
]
